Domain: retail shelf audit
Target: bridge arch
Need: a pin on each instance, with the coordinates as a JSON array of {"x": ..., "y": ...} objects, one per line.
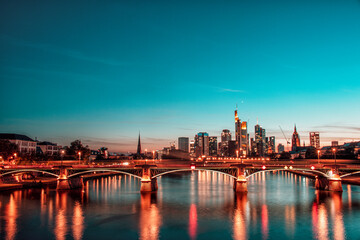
[
  {"x": 294, "y": 169},
  {"x": 349, "y": 174},
  {"x": 187, "y": 170},
  {"x": 29, "y": 170},
  {"x": 103, "y": 170}
]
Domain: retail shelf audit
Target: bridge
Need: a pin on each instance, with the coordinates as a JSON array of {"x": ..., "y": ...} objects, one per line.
[{"x": 328, "y": 177}]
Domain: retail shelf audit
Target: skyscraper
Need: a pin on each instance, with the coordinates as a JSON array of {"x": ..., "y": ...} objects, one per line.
[
  {"x": 225, "y": 135},
  {"x": 281, "y": 148},
  {"x": 213, "y": 146},
  {"x": 183, "y": 144},
  {"x": 259, "y": 147},
  {"x": 237, "y": 130},
  {"x": 192, "y": 148},
  {"x": 271, "y": 145},
  {"x": 295, "y": 143},
  {"x": 241, "y": 136},
  {"x": 202, "y": 144},
  {"x": 244, "y": 143},
  {"x": 315, "y": 140}
]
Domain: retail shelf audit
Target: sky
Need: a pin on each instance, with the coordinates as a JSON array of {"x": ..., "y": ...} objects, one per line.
[{"x": 103, "y": 71}]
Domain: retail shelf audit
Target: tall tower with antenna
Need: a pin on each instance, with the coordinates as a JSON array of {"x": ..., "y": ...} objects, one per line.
[{"x": 138, "y": 152}]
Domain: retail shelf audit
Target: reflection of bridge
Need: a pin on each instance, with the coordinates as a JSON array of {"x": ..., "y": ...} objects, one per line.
[{"x": 328, "y": 177}]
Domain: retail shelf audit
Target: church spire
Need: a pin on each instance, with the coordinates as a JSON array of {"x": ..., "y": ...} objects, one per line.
[{"x": 139, "y": 146}]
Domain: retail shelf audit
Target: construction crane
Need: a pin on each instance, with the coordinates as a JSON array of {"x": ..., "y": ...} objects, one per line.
[{"x": 287, "y": 141}]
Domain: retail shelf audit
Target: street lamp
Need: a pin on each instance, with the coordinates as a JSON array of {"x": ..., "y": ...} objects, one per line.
[
  {"x": 62, "y": 152},
  {"x": 79, "y": 156},
  {"x": 334, "y": 151},
  {"x": 153, "y": 152},
  {"x": 237, "y": 153},
  {"x": 318, "y": 152}
]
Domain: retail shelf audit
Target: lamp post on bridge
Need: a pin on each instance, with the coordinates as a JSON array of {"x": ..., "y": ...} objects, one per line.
[
  {"x": 334, "y": 151},
  {"x": 318, "y": 153},
  {"x": 79, "y": 156},
  {"x": 62, "y": 156}
]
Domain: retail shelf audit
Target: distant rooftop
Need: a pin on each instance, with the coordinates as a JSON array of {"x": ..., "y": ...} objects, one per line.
[
  {"x": 13, "y": 136},
  {"x": 47, "y": 143}
]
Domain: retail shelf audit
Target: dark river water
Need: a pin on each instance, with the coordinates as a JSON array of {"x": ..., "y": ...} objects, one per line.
[{"x": 192, "y": 205}]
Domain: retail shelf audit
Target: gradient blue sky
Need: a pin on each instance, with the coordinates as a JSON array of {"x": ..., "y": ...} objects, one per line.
[{"x": 101, "y": 71}]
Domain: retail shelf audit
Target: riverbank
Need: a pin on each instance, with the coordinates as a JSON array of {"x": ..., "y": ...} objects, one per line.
[
  {"x": 47, "y": 182},
  {"x": 39, "y": 183},
  {"x": 353, "y": 180}
]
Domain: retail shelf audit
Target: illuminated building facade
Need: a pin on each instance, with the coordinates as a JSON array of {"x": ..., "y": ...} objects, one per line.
[
  {"x": 241, "y": 136},
  {"x": 315, "y": 140},
  {"x": 202, "y": 144},
  {"x": 225, "y": 135},
  {"x": 192, "y": 148},
  {"x": 271, "y": 145},
  {"x": 224, "y": 144},
  {"x": 213, "y": 146},
  {"x": 295, "y": 143},
  {"x": 183, "y": 144},
  {"x": 259, "y": 143},
  {"x": 281, "y": 148}
]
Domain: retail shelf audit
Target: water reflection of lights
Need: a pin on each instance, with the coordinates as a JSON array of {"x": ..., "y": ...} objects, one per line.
[
  {"x": 150, "y": 219},
  {"x": 11, "y": 214},
  {"x": 78, "y": 222},
  {"x": 349, "y": 195},
  {"x": 60, "y": 218},
  {"x": 337, "y": 216},
  {"x": 239, "y": 221},
  {"x": 192, "y": 221},
  {"x": 328, "y": 202},
  {"x": 322, "y": 232},
  {"x": 290, "y": 216},
  {"x": 264, "y": 222}
]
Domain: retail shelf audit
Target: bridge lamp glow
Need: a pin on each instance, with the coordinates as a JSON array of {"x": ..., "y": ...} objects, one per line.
[
  {"x": 285, "y": 167},
  {"x": 126, "y": 164},
  {"x": 263, "y": 167},
  {"x": 290, "y": 167},
  {"x": 192, "y": 167},
  {"x": 312, "y": 167}
]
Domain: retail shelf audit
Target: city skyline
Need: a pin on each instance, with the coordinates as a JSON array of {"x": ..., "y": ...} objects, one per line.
[{"x": 103, "y": 72}]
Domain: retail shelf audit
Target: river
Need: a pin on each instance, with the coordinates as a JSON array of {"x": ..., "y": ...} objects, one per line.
[{"x": 189, "y": 205}]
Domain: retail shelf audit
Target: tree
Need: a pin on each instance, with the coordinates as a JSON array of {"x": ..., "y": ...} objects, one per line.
[
  {"x": 7, "y": 149},
  {"x": 311, "y": 153},
  {"x": 285, "y": 155},
  {"x": 76, "y": 147}
]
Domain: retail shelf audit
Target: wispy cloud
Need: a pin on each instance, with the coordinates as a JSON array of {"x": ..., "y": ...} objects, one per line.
[
  {"x": 339, "y": 127},
  {"x": 231, "y": 90},
  {"x": 60, "y": 51}
]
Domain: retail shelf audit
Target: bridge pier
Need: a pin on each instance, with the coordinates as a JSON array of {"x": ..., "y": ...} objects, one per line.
[
  {"x": 332, "y": 184},
  {"x": 240, "y": 184},
  {"x": 64, "y": 183},
  {"x": 148, "y": 184}
]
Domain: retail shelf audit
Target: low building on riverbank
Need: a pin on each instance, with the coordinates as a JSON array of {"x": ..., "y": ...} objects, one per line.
[{"x": 24, "y": 143}]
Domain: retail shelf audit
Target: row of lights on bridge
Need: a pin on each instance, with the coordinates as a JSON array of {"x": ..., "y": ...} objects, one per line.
[
  {"x": 263, "y": 167},
  {"x": 230, "y": 158}
]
